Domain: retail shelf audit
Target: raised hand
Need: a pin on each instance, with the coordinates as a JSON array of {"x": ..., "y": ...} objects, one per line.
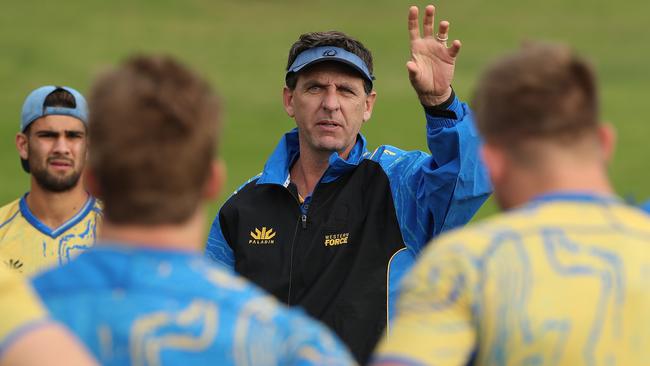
[{"x": 432, "y": 64}]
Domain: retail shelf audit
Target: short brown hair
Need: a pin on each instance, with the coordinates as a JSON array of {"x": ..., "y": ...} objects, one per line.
[
  {"x": 542, "y": 92},
  {"x": 153, "y": 132},
  {"x": 329, "y": 38}
]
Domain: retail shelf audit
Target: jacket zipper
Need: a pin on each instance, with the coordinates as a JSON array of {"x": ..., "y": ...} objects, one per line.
[
  {"x": 293, "y": 242},
  {"x": 302, "y": 221}
]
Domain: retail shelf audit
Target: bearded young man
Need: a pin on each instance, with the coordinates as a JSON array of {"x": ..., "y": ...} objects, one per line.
[{"x": 57, "y": 218}]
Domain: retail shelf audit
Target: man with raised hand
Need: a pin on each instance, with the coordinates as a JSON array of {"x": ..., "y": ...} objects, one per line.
[
  {"x": 563, "y": 277},
  {"x": 145, "y": 294},
  {"x": 57, "y": 218},
  {"x": 331, "y": 226}
]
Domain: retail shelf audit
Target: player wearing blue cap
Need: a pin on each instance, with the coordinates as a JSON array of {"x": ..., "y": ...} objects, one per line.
[
  {"x": 57, "y": 218},
  {"x": 145, "y": 294},
  {"x": 331, "y": 226}
]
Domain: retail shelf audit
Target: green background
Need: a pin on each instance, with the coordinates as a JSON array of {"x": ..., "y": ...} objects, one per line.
[{"x": 241, "y": 47}]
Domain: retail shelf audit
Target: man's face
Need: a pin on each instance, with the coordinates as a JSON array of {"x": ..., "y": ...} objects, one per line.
[
  {"x": 55, "y": 147},
  {"x": 329, "y": 105}
]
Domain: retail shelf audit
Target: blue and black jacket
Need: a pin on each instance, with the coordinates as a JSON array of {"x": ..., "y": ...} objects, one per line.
[{"x": 341, "y": 252}]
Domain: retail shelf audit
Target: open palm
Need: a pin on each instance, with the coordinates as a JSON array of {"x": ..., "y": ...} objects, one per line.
[{"x": 432, "y": 64}]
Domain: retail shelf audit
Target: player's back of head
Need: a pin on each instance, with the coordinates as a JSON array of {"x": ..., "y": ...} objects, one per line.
[
  {"x": 541, "y": 93},
  {"x": 154, "y": 132}
]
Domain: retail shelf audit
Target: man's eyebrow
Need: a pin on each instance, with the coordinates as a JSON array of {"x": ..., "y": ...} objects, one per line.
[
  {"x": 345, "y": 84},
  {"x": 57, "y": 132},
  {"x": 314, "y": 82},
  {"x": 47, "y": 132},
  {"x": 74, "y": 133}
]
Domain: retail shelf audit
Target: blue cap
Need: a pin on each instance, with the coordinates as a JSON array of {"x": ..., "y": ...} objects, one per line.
[
  {"x": 330, "y": 53},
  {"x": 34, "y": 108}
]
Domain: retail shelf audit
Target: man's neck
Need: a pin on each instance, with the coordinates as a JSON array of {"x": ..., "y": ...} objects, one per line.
[
  {"x": 55, "y": 208},
  {"x": 185, "y": 236},
  {"x": 588, "y": 179},
  {"x": 306, "y": 172}
]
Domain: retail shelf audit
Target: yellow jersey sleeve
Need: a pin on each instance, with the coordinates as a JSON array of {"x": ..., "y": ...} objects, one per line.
[
  {"x": 19, "y": 306},
  {"x": 433, "y": 321}
]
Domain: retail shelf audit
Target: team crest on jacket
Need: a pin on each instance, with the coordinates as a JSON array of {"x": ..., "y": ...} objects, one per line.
[
  {"x": 263, "y": 236},
  {"x": 332, "y": 240}
]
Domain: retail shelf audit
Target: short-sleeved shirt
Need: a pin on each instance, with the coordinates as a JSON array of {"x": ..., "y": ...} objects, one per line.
[
  {"x": 20, "y": 310},
  {"x": 564, "y": 280},
  {"x": 147, "y": 307},
  {"x": 28, "y": 246}
]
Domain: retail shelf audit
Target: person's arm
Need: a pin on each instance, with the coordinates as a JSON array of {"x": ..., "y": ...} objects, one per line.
[
  {"x": 437, "y": 192},
  {"x": 49, "y": 344},
  {"x": 27, "y": 335},
  {"x": 217, "y": 248},
  {"x": 434, "y": 324}
]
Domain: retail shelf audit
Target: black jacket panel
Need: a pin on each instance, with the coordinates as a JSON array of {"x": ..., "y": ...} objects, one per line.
[{"x": 333, "y": 262}]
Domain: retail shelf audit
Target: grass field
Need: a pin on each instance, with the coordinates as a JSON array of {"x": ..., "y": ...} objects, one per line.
[{"x": 241, "y": 47}]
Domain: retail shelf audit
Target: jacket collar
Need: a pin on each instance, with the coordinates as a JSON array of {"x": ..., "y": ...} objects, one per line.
[{"x": 276, "y": 169}]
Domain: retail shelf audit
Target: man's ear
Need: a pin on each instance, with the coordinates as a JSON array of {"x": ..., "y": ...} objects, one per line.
[
  {"x": 495, "y": 160},
  {"x": 215, "y": 181},
  {"x": 22, "y": 145},
  {"x": 287, "y": 100},
  {"x": 91, "y": 184},
  {"x": 607, "y": 140},
  {"x": 370, "y": 104}
]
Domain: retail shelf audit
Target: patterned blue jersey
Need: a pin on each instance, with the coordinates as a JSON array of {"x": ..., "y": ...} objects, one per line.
[{"x": 144, "y": 306}]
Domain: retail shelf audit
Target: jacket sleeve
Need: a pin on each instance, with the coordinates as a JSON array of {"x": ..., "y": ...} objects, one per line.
[
  {"x": 217, "y": 248},
  {"x": 437, "y": 192}
]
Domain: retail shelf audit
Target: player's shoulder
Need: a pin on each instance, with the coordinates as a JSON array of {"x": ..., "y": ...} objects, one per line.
[
  {"x": 240, "y": 296},
  {"x": 56, "y": 281},
  {"x": 243, "y": 302},
  {"x": 634, "y": 218},
  {"x": 467, "y": 243},
  {"x": 9, "y": 210},
  {"x": 20, "y": 308},
  {"x": 479, "y": 234},
  {"x": 242, "y": 192},
  {"x": 230, "y": 289}
]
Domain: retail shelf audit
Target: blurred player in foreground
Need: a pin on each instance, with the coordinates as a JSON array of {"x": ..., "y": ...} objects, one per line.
[
  {"x": 57, "y": 218},
  {"x": 563, "y": 278},
  {"x": 27, "y": 336},
  {"x": 145, "y": 295}
]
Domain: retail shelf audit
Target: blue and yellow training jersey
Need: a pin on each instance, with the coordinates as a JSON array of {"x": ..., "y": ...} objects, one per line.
[
  {"x": 564, "y": 280},
  {"x": 28, "y": 246},
  {"x": 20, "y": 310},
  {"x": 138, "y": 306}
]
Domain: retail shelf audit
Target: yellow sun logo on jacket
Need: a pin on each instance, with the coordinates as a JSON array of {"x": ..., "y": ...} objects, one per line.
[{"x": 263, "y": 236}]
